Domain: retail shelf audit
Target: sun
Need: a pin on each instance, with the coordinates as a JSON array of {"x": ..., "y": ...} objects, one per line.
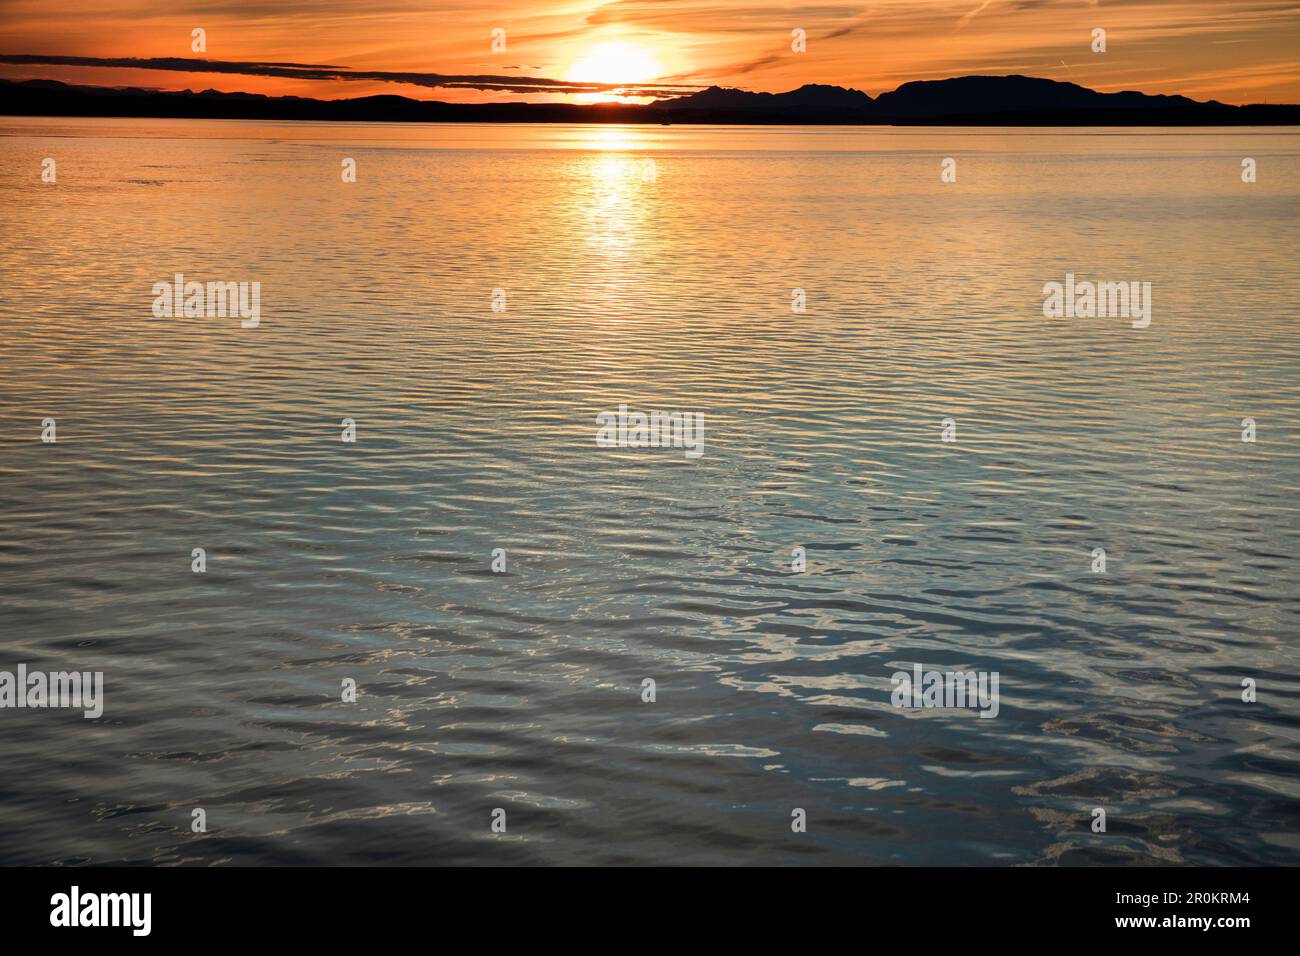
[{"x": 616, "y": 61}]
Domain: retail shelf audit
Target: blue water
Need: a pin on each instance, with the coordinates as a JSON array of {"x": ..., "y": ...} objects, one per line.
[{"x": 664, "y": 287}]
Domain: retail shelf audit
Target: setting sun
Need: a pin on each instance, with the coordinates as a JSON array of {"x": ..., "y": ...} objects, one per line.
[{"x": 615, "y": 62}]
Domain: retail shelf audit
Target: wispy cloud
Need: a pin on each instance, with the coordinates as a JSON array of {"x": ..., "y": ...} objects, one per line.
[
  {"x": 968, "y": 17},
  {"x": 310, "y": 71}
]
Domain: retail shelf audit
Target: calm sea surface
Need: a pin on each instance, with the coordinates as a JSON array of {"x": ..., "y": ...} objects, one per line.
[{"x": 665, "y": 287}]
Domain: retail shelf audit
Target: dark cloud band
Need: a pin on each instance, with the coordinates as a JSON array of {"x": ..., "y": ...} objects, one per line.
[{"x": 317, "y": 72}]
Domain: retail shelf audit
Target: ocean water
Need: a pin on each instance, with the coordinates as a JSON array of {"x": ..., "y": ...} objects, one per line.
[{"x": 654, "y": 268}]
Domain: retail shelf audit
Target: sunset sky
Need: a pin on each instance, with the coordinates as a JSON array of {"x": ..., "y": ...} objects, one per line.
[{"x": 1237, "y": 51}]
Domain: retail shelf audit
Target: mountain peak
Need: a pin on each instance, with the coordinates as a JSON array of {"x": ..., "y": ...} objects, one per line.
[{"x": 813, "y": 99}]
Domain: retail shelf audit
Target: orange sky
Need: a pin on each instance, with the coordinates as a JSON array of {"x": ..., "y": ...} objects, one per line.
[{"x": 1237, "y": 51}]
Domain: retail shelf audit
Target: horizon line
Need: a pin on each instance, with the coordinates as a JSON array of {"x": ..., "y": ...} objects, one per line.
[{"x": 659, "y": 93}]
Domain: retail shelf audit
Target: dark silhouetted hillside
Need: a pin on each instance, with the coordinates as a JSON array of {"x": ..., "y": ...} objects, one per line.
[
  {"x": 967, "y": 95},
  {"x": 967, "y": 100}
]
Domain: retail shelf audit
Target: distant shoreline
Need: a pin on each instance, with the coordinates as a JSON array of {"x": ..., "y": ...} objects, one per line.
[
  {"x": 956, "y": 123},
  {"x": 966, "y": 101}
]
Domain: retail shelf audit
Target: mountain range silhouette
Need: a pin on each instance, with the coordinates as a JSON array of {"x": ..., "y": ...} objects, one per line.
[{"x": 966, "y": 100}]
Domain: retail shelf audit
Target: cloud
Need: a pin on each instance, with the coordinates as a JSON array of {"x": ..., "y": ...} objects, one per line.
[
  {"x": 968, "y": 17},
  {"x": 309, "y": 71},
  {"x": 749, "y": 66}
]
